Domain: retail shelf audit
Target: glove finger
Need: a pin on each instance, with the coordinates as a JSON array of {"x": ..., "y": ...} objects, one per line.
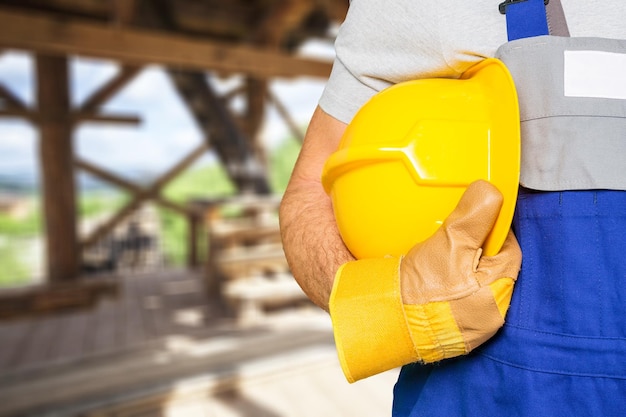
[
  {"x": 505, "y": 264},
  {"x": 442, "y": 266},
  {"x": 474, "y": 216}
]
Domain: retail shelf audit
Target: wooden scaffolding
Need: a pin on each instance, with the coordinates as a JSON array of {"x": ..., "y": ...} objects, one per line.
[{"x": 194, "y": 41}]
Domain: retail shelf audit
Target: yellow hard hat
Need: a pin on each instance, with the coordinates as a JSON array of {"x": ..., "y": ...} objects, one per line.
[{"x": 411, "y": 151}]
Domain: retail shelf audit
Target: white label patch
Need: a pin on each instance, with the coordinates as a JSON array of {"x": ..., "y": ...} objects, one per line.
[{"x": 595, "y": 74}]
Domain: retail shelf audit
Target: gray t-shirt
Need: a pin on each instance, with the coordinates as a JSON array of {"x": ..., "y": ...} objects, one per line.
[{"x": 382, "y": 43}]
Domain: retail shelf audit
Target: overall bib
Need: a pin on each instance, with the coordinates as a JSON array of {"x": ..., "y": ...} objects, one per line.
[{"x": 562, "y": 350}]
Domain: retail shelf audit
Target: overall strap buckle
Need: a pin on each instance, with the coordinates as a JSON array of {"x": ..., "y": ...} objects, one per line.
[
  {"x": 525, "y": 18},
  {"x": 502, "y": 6}
]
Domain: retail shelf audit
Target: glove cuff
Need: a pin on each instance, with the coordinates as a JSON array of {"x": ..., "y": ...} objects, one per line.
[
  {"x": 371, "y": 330},
  {"x": 435, "y": 331},
  {"x": 446, "y": 329},
  {"x": 375, "y": 332}
]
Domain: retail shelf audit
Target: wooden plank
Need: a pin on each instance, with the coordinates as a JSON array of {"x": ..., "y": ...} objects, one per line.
[
  {"x": 155, "y": 306},
  {"x": 72, "y": 335},
  {"x": 124, "y": 11},
  {"x": 194, "y": 227},
  {"x": 132, "y": 321},
  {"x": 147, "y": 302},
  {"x": 150, "y": 374},
  {"x": 187, "y": 303},
  {"x": 314, "y": 404},
  {"x": 106, "y": 175},
  {"x": 255, "y": 110},
  {"x": 126, "y": 74},
  {"x": 231, "y": 235},
  {"x": 29, "y": 115},
  {"x": 46, "y": 34},
  {"x": 261, "y": 254},
  {"x": 38, "y": 300},
  {"x": 106, "y": 322},
  {"x": 40, "y": 342},
  {"x": 80, "y": 117},
  {"x": 216, "y": 368},
  {"x": 13, "y": 334},
  {"x": 349, "y": 402},
  {"x": 263, "y": 400},
  {"x": 56, "y": 152},
  {"x": 379, "y": 389},
  {"x": 106, "y": 334},
  {"x": 281, "y": 394}
]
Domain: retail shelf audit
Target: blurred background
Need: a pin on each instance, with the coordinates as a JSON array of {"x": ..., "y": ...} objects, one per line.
[{"x": 144, "y": 149}]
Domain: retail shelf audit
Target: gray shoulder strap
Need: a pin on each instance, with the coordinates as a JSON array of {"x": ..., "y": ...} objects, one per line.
[{"x": 556, "y": 19}]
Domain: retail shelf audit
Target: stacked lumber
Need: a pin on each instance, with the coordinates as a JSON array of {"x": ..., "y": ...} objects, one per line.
[{"x": 246, "y": 264}]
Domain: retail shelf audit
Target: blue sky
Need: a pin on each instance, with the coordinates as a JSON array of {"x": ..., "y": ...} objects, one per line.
[{"x": 166, "y": 132}]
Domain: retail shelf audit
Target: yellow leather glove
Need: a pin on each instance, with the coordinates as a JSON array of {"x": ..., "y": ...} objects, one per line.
[{"x": 439, "y": 301}]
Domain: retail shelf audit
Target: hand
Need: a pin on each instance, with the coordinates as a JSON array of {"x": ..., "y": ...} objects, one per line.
[
  {"x": 445, "y": 277},
  {"x": 440, "y": 301}
]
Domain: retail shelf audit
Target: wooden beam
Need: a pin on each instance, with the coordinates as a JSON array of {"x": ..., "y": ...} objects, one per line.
[
  {"x": 11, "y": 99},
  {"x": 106, "y": 227},
  {"x": 19, "y": 303},
  {"x": 283, "y": 17},
  {"x": 104, "y": 93},
  {"x": 19, "y": 113},
  {"x": 255, "y": 105},
  {"x": 107, "y": 176},
  {"x": 57, "y": 170},
  {"x": 15, "y": 107},
  {"x": 194, "y": 225},
  {"x": 129, "y": 186},
  {"x": 220, "y": 127},
  {"x": 74, "y": 118},
  {"x": 212, "y": 115},
  {"x": 182, "y": 165},
  {"x": 79, "y": 117},
  {"x": 151, "y": 192},
  {"x": 232, "y": 93},
  {"x": 254, "y": 116},
  {"x": 124, "y": 11},
  {"x": 140, "y": 47}
]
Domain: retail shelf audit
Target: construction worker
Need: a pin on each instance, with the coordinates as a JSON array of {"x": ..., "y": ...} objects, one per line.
[{"x": 561, "y": 350}]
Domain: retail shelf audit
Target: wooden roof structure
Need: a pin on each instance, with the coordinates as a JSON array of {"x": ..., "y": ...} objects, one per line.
[{"x": 193, "y": 40}]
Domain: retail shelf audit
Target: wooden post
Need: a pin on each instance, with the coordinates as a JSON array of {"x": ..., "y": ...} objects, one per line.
[
  {"x": 255, "y": 112},
  {"x": 57, "y": 169},
  {"x": 193, "y": 224}
]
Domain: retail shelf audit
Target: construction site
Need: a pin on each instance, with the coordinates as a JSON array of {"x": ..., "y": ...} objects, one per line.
[{"x": 113, "y": 324}]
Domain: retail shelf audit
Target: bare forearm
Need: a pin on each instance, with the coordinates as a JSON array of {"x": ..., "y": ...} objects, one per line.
[
  {"x": 312, "y": 243},
  {"x": 311, "y": 240}
]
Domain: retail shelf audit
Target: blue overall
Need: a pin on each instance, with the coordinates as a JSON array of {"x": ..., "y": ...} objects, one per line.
[{"x": 562, "y": 351}]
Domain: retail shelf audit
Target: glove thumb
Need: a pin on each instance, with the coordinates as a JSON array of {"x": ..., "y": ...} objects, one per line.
[{"x": 475, "y": 214}]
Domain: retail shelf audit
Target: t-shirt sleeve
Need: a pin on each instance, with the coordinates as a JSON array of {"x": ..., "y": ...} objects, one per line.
[
  {"x": 378, "y": 44},
  {"x": 344, "y": 94},
  {"x": 381, "y": 43}
]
